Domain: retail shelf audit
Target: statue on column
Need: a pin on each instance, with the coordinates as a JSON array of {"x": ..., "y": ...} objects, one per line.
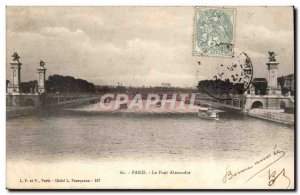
[
  {"x": 272, "y": 56},
  {"x": 16, "y": 57},
  {"x": 42, "y": 63}
]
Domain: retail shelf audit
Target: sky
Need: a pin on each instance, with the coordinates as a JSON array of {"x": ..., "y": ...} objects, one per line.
[{"x": 139, "y": 46}]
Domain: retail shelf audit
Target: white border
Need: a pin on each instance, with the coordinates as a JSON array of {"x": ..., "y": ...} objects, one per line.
[{"x": 4, "y": 3}]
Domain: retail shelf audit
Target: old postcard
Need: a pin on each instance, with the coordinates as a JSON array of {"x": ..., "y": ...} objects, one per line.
[{"x": 150, "y": 98}]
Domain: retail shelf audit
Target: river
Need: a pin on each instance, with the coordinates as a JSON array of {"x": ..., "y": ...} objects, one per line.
[{"x": 86, "y": 135}]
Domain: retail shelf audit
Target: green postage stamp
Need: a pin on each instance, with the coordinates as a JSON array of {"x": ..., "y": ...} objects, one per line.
[{"x": 213, "y": 32}]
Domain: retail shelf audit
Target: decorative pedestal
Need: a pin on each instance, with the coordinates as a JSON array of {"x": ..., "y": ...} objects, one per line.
[
  {"x": 41, "y": 80},
  {"x": 273, "y": 88},
  {"x": 14, "y": 85}
]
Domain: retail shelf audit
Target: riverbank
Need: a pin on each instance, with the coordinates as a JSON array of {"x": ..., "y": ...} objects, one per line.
[
  {"x": 272, "y": 115},
  {"x": 12, "y": 112}
]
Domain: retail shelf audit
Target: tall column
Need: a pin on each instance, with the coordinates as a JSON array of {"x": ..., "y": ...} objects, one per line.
[
  {"x": 272, "y": 75},
  {"x": 41, "y": 78},
  {"x": 14, "y": 84}
]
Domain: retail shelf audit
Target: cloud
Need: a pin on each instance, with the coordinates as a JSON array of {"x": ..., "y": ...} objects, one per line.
[
  {"x": 257, "y": 40},
  {"x": 135, "y": 45},
  {"x": 61, "y": 32}
]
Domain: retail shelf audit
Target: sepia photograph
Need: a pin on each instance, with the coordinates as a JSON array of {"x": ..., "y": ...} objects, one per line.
[{"x": 150, "y": 97}]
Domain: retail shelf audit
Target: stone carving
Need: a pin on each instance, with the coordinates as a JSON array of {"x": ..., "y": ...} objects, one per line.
[
  {"x": 16, "y": 57},
  {"x": 272, "y": 56},
  {"x": 42, "y": 63}
]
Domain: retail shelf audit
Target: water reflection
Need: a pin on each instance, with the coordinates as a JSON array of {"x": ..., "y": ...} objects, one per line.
[{"x": 80, "y": 134}]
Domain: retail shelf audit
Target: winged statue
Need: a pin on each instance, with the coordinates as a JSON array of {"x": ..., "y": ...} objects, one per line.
[
  {"x": 42, "y": 63},
  {"x": 272, "y": 56},
  {"x": 16, "y": 57}
]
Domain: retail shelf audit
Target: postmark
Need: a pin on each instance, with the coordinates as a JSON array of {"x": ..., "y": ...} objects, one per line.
[
  {"x": 230, "y": 79},
  {"x": 213, "y": 32}
]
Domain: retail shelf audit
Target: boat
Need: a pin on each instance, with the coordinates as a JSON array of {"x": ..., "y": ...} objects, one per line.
[{"x": 208, "y": 113}]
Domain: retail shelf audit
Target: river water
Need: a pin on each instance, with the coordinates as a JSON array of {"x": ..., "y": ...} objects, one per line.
[{"x": 87, "y": 134}]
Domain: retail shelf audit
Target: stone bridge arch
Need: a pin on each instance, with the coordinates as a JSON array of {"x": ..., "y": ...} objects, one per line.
[
  {"x": 283, "y": 103},
  {"x": 268, "y": 102},
  {"x": 257, "y": 104},
  {"x": 30, "y": 100}
]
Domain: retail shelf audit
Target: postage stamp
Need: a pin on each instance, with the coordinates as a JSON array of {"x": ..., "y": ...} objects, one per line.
[{"x": 213, "y": 32}]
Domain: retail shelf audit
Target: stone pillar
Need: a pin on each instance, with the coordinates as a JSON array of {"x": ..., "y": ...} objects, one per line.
[
  {"x": 41, "y": 80},
  {"x": 15, "y": 82},
  {"x": 272, "y": 78}
]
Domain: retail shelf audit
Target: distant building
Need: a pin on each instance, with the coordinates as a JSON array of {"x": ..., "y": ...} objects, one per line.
[
  {"x": 260, "y": 85},
  {"x": 168, "y": 85},
  {"x": 287, "y": 83}
]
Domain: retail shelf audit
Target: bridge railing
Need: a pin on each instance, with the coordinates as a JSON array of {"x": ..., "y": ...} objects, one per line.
[
  {"x": 57, "y": 99},
  {"x": 279, "y": 116}
]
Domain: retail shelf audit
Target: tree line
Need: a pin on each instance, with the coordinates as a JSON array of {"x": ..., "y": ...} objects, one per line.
[
  {"x": 144, "y": 89},
  {"x": 59, "y": 84},
  {"x": 68, "y": 84},
  {"x": 218, "y": 86}
]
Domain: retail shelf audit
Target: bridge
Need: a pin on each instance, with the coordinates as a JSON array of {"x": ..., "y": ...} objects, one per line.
[
  {"x": 237, "y": 102},
  {"x": 63, "y": 99},
  {"x": 248, "y": 101},
  {"x": 274, "y": 102}
]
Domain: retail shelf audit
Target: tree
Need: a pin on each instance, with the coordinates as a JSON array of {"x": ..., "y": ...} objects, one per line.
[
  {"x": 29, "y": 87},
  {"x": 67, "y": 84}
]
